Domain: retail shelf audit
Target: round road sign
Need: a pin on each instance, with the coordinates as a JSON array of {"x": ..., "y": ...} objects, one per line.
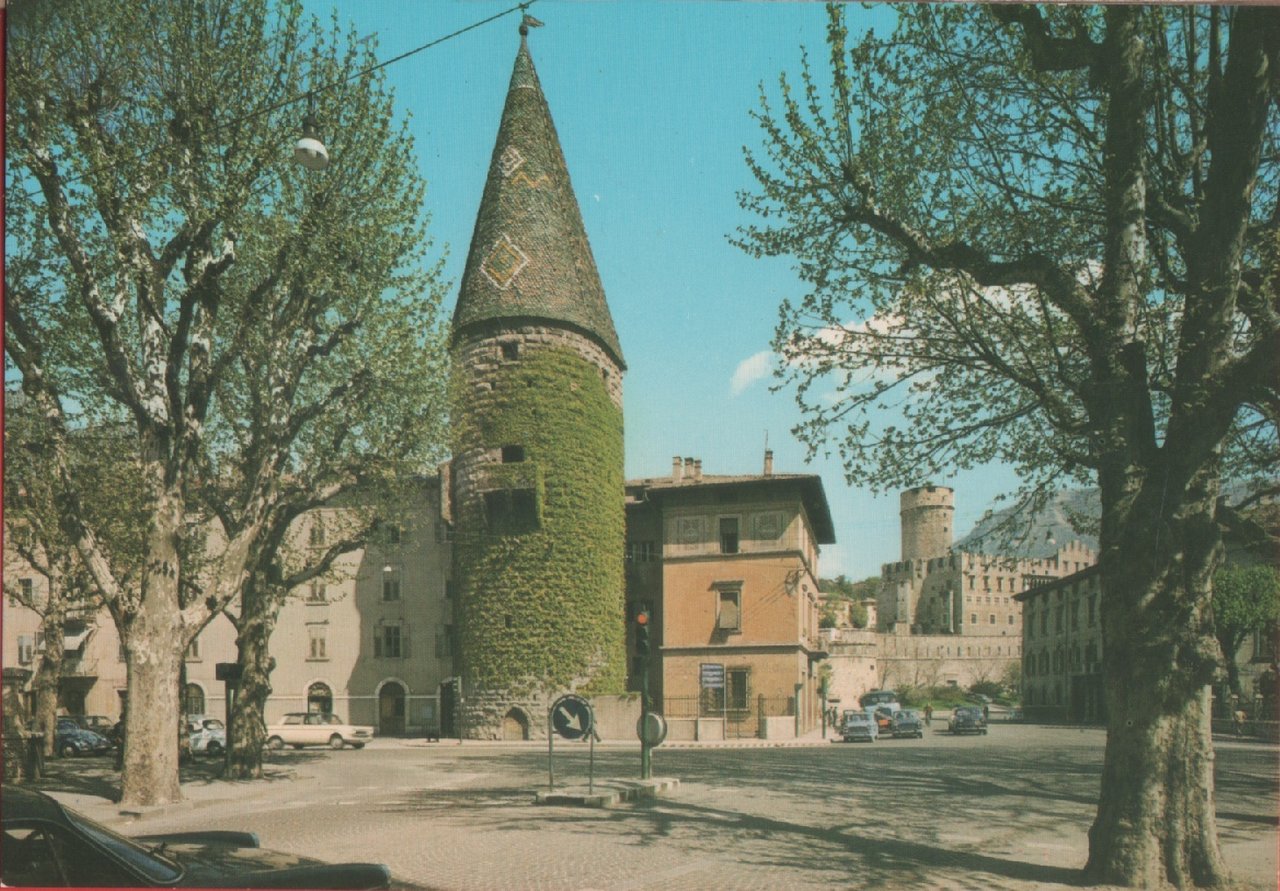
[
  {"x": 652, "y": 729},
  {"x": 571, "y": 717}
]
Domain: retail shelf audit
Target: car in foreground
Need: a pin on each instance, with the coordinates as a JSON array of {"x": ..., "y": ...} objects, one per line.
[
  {"x": 907, "y": 723},
  {"x": 70, "y": 740},
  {"x": 47, "y": 845},
  {"x": 967, "y": 719},
  {"x": 300, "y": 729},
  {"x": 208, "y": 735},
  {"x": 856, "y": 726},
  {"x": 882, "y": 716}
]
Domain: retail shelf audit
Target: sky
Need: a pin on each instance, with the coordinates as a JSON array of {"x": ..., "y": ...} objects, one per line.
[{"x": 652, "y": 102}]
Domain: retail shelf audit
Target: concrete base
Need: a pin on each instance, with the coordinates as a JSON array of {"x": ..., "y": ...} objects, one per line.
[{"x": 607, "y": 793}]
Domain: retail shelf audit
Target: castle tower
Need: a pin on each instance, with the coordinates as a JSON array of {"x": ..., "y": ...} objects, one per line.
[
  {"x": 927, "y": 514},
  {"x": 538, "y": 470}
]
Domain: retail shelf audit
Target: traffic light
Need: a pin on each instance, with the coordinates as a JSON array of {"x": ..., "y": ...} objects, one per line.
[{"x": 642, "y": 634}]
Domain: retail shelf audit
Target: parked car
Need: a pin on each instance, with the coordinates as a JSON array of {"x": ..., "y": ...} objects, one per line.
[
  {"x": 208, "y": 735},
  {"x": 883, "y": 717},
  {"x": 300, "y": 729},
  {"x": 48, "y": 845},
  {"x": 967, "y": 719},
  {"x": 70, "y": 740},
  {"x": 907, "y": 722},
  {"x": 857, "y": 726},
  {"x": 99, "y": 724}
]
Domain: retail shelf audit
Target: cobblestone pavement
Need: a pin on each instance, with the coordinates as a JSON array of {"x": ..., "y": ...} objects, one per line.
[{"x": 1006, "y": 811}]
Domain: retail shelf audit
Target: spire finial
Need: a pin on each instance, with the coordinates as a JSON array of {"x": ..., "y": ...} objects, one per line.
[{"x": 526, "y": 22}]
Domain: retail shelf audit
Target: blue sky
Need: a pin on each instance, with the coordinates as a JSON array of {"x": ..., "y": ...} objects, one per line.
[{"x": 652, "y": 103}]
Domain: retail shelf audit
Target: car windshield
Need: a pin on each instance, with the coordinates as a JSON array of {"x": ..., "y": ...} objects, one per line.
[
  {"x": 154, "y": 867},
  {"x": 213, "y": 724},
  {"x": 332, "y": 719}
]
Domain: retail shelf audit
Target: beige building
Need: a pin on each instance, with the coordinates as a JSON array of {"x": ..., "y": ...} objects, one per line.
[
  {"x": 372, "y": 642},
  {"x": 727, "y": 567},
  {"x": 1062, "y": 650}
]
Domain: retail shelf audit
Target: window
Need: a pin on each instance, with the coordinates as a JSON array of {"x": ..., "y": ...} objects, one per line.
[
  {"x": 319, "y": 701},
  {"x": 388, "y": 642},
  {"x": 729, "y": 612},
  {"x": 1044, "y": 620},
  {"x": 317, "y": 642},
  {"x": 512, "y": 454},
  {"x": 973, "y": 618},
  {"x": 192, "y": 700},
  {"x": 1010, "y": 618},
  {"x": 27, "y": 589},
  {"x": 986, "y": 583},
  {"x": 511, "y": 511},
  {"x": 316, "y": 534},
  {"x": 511, "y": 351},
  {"x": 728, "y": 535},
  {"x": 991, "y": 619},
  {"x": 193, "y": 652},
  {"x": 390, "y": 583},
  {"x": 450, "y": 589},
  {"x": 444, "y": 642},
  {"x": 738, "y": 694},
  {"x": 317, "y": 592},
  {"x": 1057, "y": 618},
  {"x": 1093, "y": 611},
  {"x": 26, "y": 649}
]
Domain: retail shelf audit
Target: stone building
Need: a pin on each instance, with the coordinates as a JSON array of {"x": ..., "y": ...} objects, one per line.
[
  {"x": 727, "y": 566},
  {"x": 538, "y": 472},
  {"x": 1062, "y": 649}
]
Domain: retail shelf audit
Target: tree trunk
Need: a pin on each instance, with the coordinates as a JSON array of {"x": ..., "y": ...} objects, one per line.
[
  {"x": 1156, "y": 821},
  {"x": 248, "y": 717},
  {"x": 156, "y": 646},
  {"x": 48, "y": 675}
]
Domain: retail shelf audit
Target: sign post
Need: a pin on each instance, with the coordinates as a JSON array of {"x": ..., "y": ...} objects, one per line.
[
  {"x": 572, "y": 717},
  {"x": 642, "y": 653},
  {"x": 229, "y": 673}
]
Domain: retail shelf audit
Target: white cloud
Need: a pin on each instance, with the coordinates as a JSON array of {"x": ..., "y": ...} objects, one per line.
[{"x": 750, "y": 370}]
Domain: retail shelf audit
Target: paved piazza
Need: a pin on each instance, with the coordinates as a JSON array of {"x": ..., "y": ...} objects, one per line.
[{"x": 1006, "y": 811}]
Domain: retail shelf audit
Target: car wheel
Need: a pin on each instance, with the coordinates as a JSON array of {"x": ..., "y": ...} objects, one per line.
[
  {"x": 275, "y": 743},
  {"x": 357, "y": 745},
  {"x": 67, "y": 751},
  {"x": 213, "y": 750},
  {"x": 336, "y": 742},
  {"x": 920, "y": 735}
]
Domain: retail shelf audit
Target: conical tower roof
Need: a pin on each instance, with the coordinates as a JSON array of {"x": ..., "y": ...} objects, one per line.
[{"x": 529, "y": 256}]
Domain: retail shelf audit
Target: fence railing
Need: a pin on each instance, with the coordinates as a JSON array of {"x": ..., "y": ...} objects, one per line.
[{"x": 741, "y": 720}]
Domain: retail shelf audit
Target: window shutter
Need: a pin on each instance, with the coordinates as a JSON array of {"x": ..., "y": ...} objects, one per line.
[{"x": 404, "y": 641}]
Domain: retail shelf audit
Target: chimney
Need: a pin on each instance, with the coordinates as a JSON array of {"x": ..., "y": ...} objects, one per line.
[
  {"x": 676, "y": 469},
  {"x": 697, "y": 470},
  {"x": 768, "y": 462}
]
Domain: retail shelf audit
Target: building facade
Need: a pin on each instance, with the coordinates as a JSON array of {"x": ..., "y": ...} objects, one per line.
[
  {"x": 727, "y": 566},
  {"x": 1062, "y": 650}
]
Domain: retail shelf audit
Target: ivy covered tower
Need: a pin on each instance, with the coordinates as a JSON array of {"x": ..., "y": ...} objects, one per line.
[{"x": 537, "y": 471}]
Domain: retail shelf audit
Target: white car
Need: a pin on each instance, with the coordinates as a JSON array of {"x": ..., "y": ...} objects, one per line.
[
  {"x": 300, "y": 729},
  {"x": 208, "y": 735}
]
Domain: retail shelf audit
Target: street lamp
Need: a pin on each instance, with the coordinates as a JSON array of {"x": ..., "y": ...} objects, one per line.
[{"x": 309, "y": 151}]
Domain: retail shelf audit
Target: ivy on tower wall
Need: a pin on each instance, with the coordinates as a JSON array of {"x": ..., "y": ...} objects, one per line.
[{"x": 543, "y": 610}]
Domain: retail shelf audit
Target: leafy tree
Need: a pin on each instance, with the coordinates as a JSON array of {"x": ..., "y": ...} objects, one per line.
[
  {"x": 1245, "y": 599},
  {"x": 35, "y": 543},
  {"x": 1047, "y": 236},
  {"x": 171, "y": 269}
]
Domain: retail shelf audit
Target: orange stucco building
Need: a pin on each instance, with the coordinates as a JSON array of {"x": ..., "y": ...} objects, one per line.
[{"x": 727, "y": 567}]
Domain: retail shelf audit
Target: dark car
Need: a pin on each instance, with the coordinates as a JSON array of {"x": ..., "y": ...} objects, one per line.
[
  {"x": 70, "y": 740},
  {"x": 907, "y": 722},
  {"x": 50, "y": 846},
  {"x": 99, "y": 724},
  {"x": 967, "y": 719}
]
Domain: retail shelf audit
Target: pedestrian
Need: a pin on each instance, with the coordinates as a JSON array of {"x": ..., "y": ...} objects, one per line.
[
  {"x": 1237, "y": 722},
  {"x": 928, "y": 714},
  {"x": 986, "y": 712}
]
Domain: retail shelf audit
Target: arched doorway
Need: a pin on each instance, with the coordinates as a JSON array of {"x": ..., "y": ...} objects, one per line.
[
  {"x": 319, "y": 698},
  {"x": 192, "y": 700},
  {"x": 391, "y": 709},
  {"x": 515, "y": 725}
]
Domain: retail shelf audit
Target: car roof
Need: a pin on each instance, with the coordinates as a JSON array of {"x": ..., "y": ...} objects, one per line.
[{"x": 18, "y": 803}]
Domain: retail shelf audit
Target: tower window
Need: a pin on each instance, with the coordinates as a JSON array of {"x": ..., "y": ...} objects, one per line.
[
  {"x": 511, "y": 511},
  {"x": 511, "y": 350},
  {"x": 512, "y": 454}
]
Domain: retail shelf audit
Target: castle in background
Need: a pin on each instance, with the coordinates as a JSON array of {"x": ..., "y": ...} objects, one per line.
[{"x": 942, "y": 616}]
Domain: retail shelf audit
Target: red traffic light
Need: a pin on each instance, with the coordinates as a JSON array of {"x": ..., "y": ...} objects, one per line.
[{"x": 642, "y": 618}]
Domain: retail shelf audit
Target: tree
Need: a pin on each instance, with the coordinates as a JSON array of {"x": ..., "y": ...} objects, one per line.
[
  {"x": 1245, "y": 599},
  {"x": 34, "y": 542},
  {"x": 1047, "y": 236},
  {"x": 172, "y": 270}
]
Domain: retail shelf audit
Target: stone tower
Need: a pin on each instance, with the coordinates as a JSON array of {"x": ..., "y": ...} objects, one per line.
[
  {"x": 927, "y": 514},
  {"x": 538, "y": 470}
]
